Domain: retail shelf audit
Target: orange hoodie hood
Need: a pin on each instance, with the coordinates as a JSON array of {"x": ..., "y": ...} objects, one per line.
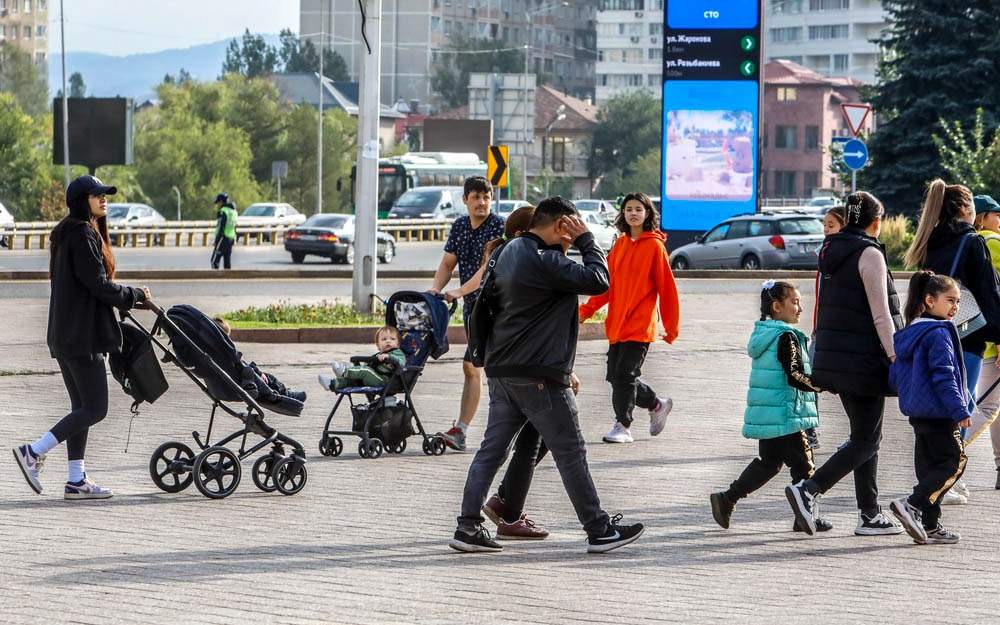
[{"x": 640, "y": 275}]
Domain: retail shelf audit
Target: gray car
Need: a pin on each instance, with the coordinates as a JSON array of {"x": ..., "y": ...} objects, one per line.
[
  {"x": 762, "y": 241},
  {"x": 332, "y": 236}
]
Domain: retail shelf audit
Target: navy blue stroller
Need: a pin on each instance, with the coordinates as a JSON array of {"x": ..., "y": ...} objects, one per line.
[{"x": 383, "y": 421}]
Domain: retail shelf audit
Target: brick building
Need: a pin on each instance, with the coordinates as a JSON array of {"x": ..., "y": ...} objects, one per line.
[{"x": 802, "y": 114}]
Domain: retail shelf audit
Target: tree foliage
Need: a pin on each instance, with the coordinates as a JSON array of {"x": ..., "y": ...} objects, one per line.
[
  {"x": 19, "y": 76},
  {"x": 628, "y": 130},
  {"x": 300, "y": 56},
  {"x": 940, "y": 61},
  {"x": 965, "y": 156},
  {"x": 77, "y": 88},
  {"x": 254, "y": 57},
  {"x": 464, "y": 56},
  {"x": 339, "y": 151},
  {"x": 24, "y": 172}
]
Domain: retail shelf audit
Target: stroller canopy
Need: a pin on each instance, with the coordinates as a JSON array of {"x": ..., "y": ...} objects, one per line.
[{"x": 428, "y": 313}]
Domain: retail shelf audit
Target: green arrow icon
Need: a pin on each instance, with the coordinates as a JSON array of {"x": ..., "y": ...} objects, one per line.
[
  {"x": 748, "y": 43},
  {"x": 747, "y": 68}
]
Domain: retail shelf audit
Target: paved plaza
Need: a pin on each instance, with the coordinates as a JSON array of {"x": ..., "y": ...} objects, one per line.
[{"x": 366, "y": 541}]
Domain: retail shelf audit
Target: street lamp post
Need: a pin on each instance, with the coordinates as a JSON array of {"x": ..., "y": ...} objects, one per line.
[
  {"x": 319, "y": 131},
  {"x": 178, "y": 192},
  {"x": 560, "y": 115},
  {"x": 527, "y": 48}
]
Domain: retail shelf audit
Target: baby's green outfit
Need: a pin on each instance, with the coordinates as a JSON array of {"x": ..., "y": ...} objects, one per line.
[{"x": 375, "y": 375}]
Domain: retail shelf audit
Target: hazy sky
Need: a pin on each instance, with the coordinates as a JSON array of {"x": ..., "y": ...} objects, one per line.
[{"x": 120, "y": 27}]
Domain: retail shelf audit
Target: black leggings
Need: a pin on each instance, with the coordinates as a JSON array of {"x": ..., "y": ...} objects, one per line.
[
  {"x": 529, "y": 449},
  {"x": 627, "y": 390},
  {"x": 87, "y": 383}
]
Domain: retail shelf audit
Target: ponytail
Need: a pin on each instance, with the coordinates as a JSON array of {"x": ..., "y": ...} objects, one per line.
[
  {"x": 922, "y": 284},
  {"x": 942, "y": 203},
  {"x": 862, "y": 209}
]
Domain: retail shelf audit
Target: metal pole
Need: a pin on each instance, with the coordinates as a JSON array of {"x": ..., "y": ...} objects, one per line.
[
  {"x": 65, "y": 96},
  {"x": 366, "y": 200},
  {"x": 178, "y": 192},
  {"x": 319, "y": 131},
  {"x": 279, "y": 189},
  {"x": 854, "y": 181},
  {"x": 524, "y": 111}
]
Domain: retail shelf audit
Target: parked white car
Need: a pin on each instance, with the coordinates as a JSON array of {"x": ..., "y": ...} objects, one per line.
[
  {"x": 509, "y": 206},
  {"x": 603, "y": 207},
  {"x": 266, "y": 213},
  {"x": 133, "y": 214},
  {"x": 6, "y": 219},
  {"x": 603, "y": 230}
]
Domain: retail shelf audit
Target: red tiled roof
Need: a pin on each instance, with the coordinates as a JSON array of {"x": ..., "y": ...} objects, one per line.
[
  {"x": 785, "y": 72},
  {"x": 580, "y": 116}
]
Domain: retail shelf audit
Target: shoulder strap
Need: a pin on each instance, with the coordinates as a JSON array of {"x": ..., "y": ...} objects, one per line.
[{"x": 958, "y": 256}]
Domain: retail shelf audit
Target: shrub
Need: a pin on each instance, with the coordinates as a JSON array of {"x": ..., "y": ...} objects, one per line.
[{"x": 897, "y": 234}]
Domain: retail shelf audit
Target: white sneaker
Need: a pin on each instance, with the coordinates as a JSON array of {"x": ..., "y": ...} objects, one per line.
[
  {"x": 338, "y": 368},
  {"x": 658, "y": 415},
  {"x": 326, "y": 381},
  {"x": 30, "y": 465},
  {"x": 879, "y": 525},
  {"x": 911, "y": 518},
  {"x": 86, "y": 490},
  {"x": 952, "y": 498},
  {"x": 961, "y": 488},
  {"x": 618, "y": 434}
]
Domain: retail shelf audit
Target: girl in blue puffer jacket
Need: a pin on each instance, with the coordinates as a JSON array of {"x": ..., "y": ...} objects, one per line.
[
  {"x": 929, "y": 375},
  {"x": 781, "y": 402}
]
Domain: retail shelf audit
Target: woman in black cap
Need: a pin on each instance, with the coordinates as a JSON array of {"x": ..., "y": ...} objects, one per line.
[{"x": 82, "y": 330}]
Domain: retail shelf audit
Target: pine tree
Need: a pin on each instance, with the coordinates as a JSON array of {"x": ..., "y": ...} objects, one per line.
[{"x": 940, "y": 61}]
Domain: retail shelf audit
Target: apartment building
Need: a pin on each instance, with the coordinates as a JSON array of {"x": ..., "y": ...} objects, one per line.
[
  {"x": 629, "y": 47},
  {"x": 25, "y": 23},
  {"x": 802, "y": 115},
  {"x": 416, "y": 36},
  {"x": 831, "y": 37}
]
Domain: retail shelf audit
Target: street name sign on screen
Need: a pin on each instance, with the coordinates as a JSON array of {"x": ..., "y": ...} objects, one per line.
[{"x": 711, "y": 112}]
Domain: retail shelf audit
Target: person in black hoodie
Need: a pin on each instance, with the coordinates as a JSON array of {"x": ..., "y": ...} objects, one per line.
[
  {"x": 946, "y": 220},
  {"x": 529, "y": 357},
  {"x": 857, "y": 317},
  {"x": 82, "y": 329}
]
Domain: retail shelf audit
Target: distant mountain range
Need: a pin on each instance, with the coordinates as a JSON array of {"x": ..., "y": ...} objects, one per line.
[{"x": 136, "y": 75}]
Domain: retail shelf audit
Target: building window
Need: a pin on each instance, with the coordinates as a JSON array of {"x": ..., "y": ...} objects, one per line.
[
  {"x": 656, "y": 53},
  {"x": 812, "y": 137},
  {"x": 840, "y": 62},
  {"x": 830, "y": 31},
  {"x": 810, "y": 182},
  {"x": 784, "y": 184},
  {"x": 13, "y": 31},
  {"x": 436, "y": 24},
  {"x": 793, "y": 33},
  {"x": 27, "y": 6},
  {"x": 654, "y": 80},
  {"x": 558, "y": 154},
  {"x": 654, "y": 29},
  {"x": 622, "y": 5},
  {"x": 784, "y": 7},
  {"x": 786, "y": 137},
  {"x": 3, "y": 31},
  {"x": 787, "y": 94},
  {"x": 829, "y": 5},
  {"x": 447, "y": 27}
]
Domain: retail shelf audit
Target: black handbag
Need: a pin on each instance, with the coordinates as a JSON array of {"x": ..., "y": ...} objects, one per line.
[
  {"x": 484, "y": 313},
  {"x": 136, "y": 368}
]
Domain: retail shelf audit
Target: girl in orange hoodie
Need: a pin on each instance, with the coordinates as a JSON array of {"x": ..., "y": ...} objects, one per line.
[{"x": 640, "y": 273}]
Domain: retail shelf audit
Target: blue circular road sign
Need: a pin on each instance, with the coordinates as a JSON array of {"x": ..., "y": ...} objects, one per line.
[{"x": 855, "y": 154}]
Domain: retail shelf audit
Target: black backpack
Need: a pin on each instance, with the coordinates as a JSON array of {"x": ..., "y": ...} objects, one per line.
[
  {"x": 484, "y": 312},
  {"x": 136, "y": 368}
]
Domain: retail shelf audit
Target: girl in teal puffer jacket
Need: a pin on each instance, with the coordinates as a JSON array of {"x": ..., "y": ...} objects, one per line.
[{"x": 781, "y": 401}]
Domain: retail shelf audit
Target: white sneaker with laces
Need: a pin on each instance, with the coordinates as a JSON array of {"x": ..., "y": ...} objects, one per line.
[
  {"x": 30, "y": 465},
  {"x": 878, "y": 525},
  {"x": 338, "y": 368},
  {"x": 658, "y": 415},
  {"x": 952, "y": 498},
  {"x": 941, "y": 536},
  {"x": 86, "y": 490},
  {"x": 961, "y": 488},
  {"x": 326, "y": 381},
  {"x": 618, "y": 434}
]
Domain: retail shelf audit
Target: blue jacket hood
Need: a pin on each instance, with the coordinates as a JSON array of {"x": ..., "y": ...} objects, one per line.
[{"x": 907, "y": 339}]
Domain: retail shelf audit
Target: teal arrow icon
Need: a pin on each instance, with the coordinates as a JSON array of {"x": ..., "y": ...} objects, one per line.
[
  {"x": 747, "y": 68},
  {"x": 748, "y": 43}
]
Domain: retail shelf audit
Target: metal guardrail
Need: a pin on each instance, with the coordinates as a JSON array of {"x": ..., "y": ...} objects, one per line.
[{"x": 34, "y": 235}]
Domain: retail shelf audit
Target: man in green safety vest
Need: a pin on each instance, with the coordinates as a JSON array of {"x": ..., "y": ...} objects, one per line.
[{"x": 225, "y": 232}]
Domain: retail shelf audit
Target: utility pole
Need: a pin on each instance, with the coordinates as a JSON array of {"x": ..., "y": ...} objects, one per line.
[
  {"x": 319, "y": 131},
  {"x": 524, "y": 111},
  {"x": 178, "y": 192},
  {"x": 65, "y": 95},
  {"x": 366, "y": 200}
]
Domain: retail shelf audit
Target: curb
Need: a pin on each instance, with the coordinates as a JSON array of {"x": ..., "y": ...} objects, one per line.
[
  {"x": 361, "y": 335},
  {"x": 237, "y": 274}
]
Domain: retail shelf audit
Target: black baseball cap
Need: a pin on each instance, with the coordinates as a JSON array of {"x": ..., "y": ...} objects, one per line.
[
  {"x": 222, "y": 197},
  {"x": 87, "y": 185}
]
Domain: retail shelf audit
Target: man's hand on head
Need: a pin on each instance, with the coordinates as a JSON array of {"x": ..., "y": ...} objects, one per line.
[{"x": 572, "y": 227}]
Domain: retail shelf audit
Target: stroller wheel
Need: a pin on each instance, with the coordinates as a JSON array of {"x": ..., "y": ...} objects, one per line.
[
  {"x": 290, "y": 475},
  {"x": 438, "y": 446},
  {"x": 263, "y": 473},
  {"x": 331, "y": 446},
  {"x": 217, "y": 472},
  {"x": 170, "y": 466},
  {"x": 373, "y": 450},
  {"x": 400, "y": 447},
  {"x": 428, "y": 446}
]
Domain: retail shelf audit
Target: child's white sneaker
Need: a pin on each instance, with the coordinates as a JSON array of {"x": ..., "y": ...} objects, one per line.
[
  {"x": 338, "y": 368},
  {"x": 961, "y": 488},
  {"x": 618, "y": 434},
  {"x": 658, "y": 415},
  {"x": 326, "y": 381},
  {"x": 952, "y": 498}
]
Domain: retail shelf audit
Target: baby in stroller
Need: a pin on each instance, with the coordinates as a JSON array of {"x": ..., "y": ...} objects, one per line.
[
  {"x": 368, "y": 370},
  {"x": 273, "y": 384}
]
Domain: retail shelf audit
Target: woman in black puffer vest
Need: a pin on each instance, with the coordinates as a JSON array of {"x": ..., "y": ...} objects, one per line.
[
  {"x": 946, "y": 220},
  {"x": 858, "y": 314},
  {"x": 82, "y": 330}
]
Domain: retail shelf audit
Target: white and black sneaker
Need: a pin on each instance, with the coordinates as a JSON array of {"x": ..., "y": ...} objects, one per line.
[
  {"x": 803, "y": 505},
  {"x": 941, "y": 536},
  {"x": 910, "y": 516},
  {"x": 478, "y": 541},
  {"x": 878, "y": 525},
  {"x": 30, "y": 466},
  {"x": 617, "y": 535}
]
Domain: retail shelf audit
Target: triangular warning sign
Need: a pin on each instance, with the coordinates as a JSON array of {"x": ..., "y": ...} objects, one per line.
[{"x": 856, "y": 114}]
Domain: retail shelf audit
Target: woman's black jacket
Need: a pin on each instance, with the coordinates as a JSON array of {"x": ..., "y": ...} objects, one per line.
[{"x": 81, "y": 306}]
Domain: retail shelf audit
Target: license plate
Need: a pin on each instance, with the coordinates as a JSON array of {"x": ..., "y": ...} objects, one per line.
[
  {"x": 808, "y": 247},
  {"x": 307, "y": 237}
]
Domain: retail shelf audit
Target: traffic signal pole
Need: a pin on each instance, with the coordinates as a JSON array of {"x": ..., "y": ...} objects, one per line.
[{"x": 366, "y": 189}]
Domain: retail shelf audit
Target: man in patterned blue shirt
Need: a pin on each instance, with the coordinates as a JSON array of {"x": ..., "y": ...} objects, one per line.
[{"x": 465, "y": 247}]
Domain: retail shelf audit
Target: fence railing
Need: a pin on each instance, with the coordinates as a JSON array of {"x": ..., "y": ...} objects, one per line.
[{"x": 34, "y": 235}]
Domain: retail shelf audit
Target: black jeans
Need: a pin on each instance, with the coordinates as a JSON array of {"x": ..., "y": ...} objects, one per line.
[
  {"x": 529, "y": 450},
  {"x": 627, "y": 390},
  {"x": 859, "y": 454},
  {"x": 223, "y": 252},
  {"x": 939, "y": 460},
  {"x": 791, "y": 450},
  {"x": 87, "y": 383},
  {"x": 551, "y": 409}
]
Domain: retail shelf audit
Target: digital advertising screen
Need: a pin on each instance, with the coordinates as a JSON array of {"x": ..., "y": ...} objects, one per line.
[{"x": 711, "y": 112}]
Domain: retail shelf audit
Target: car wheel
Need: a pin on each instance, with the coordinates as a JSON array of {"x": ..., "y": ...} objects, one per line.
[
  {"x": 680, "y": 263},
  {"x": 750, "y": 261},
  {"x": 389, "y": 253},
  {"x": 349, "y": 257},
  {"x": 298, "y": 257}
]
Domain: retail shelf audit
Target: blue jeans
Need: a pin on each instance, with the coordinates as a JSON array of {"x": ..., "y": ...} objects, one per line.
[{"x": 973, "y": 367}]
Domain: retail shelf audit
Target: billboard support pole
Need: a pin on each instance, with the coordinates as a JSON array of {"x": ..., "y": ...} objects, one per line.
[
  {"x": 65, "y": 96},
  {"x": 366, "y": 202}
]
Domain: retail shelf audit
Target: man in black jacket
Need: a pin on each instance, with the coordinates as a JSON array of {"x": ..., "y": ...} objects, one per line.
[{"x": 529, "y": 359}]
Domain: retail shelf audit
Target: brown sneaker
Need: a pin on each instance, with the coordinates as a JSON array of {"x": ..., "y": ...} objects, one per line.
[
  {"x": 522, "y": 529},
  {"x": 494, "y": 509}
]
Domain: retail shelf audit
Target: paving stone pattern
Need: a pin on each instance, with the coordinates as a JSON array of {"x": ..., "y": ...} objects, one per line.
[{"x": 365, "y": 542}]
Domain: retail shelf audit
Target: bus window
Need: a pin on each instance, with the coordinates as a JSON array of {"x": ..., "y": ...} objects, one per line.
[{"x": 425, "y": 180}]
